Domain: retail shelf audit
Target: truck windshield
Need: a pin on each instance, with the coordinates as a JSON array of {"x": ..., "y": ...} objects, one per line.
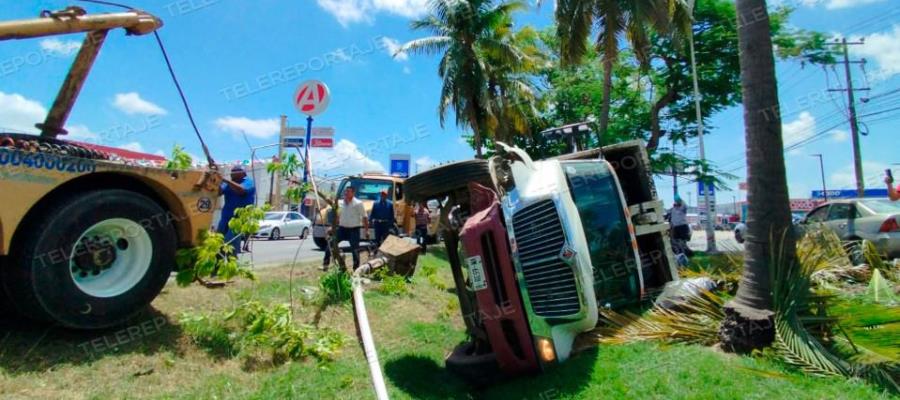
[
  {"x": 597, "y": 197},
  {"x": 367, "y": 189}
]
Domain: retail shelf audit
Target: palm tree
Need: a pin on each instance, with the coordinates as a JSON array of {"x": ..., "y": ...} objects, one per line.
[
  {"x": 770, "y": 240},
  {"x": 511, "y": 90},
  {"x": 465, "y": 32},
  {"x": 616, "y": 18}
]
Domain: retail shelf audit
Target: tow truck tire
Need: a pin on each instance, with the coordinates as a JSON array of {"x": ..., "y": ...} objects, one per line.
[
  {"x": 438, "y": 182},
  {"x": 321, "y": 243},
  {"x": 93, "y": 261},
  {"x": 476, "y": 370}
]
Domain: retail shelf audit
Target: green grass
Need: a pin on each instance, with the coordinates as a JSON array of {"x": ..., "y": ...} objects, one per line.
[{"x": 413, "y": 334}]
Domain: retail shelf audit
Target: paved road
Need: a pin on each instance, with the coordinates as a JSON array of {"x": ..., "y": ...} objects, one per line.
[
  {"x": 724, "y": 241},
  {"x": 279, "y": 252},
  {"x": 268, "y": 253}
]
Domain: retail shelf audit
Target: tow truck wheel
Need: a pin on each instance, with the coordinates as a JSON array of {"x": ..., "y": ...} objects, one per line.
[
  {"x": 92, "y": 262},
  {"x": 438, "y": 182},
  {"x": 321, "y": 243}
]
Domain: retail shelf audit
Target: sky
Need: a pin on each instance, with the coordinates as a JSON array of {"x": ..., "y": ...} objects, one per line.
[{"x": 240, "y": 62}]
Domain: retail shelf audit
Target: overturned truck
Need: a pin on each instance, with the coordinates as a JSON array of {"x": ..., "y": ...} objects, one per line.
[{"x": 537, "y": 247}]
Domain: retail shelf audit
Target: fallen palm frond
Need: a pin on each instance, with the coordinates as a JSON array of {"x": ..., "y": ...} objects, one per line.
[
  {"x": 696, "y": 320},
  {"x": 798, "y": 347},
  {"x": 880, "y": 290}
]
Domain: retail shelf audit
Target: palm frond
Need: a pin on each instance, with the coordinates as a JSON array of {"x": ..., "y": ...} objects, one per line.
[
  {"x": 696, "y": 321},
  {"x": 428, "y": 45}
]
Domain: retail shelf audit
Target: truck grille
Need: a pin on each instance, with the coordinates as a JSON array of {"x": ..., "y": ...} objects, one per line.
[{"x": 550, "y": 281}]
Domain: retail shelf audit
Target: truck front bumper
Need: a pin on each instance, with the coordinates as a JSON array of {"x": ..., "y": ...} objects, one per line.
[{"x": 499, "y": 303}]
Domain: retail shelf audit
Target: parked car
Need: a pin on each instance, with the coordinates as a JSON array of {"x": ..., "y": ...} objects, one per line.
[
  {"x": 853, "y": 220},
  {"x": 740, "y": 232},
  {"x": 280, "y": 224}
]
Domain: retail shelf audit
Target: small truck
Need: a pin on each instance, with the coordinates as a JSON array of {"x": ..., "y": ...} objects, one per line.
[
  {"x": 368, "y": 189},
  {"x": 536, "y": 248},
  {"x": 88, "y": 238}
]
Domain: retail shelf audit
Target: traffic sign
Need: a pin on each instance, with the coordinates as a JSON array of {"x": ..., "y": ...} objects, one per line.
[
  {"x": 294, "y": 141},
  {"x": 400, "y": 165},
  {"x": 312, "y": 98},
  {"x": 321, "y": 142},
  {"x": 323, "y": 131}
]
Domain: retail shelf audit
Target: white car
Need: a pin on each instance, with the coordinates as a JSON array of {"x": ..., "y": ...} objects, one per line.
[{"x": 280, "y": 224}]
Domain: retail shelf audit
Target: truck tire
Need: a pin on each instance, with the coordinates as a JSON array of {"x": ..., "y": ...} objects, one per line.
[
  {"x": 438, "y": 182},
  {"x": 476, "y": 370},
  {"x": 321, "y": 243},
  {"x": 93, "y": 261}
]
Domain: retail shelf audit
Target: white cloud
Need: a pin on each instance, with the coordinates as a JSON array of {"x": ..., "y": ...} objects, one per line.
[
  {"x": 60, "y": 48},
  {"x": 884, "y": 49},
  {"x": 344, "y": 158},
  {"x": 258, "y": 128},
  {"x": 352, "y": 11},
  {"x": 426, "y": 162},
  {"x": 873, "y": 175},
  {"x": 19, "y": 114},
  {"x": 82, "y": 133},
  {"x": 839, "y": 136},
  {"x": 838, "y": 4},
  {"x": 133, "y": 146},
  {"x": 132, "y": 103},
  {"x": 391, "y": 46},
  {"x": 798, "y": 130}
]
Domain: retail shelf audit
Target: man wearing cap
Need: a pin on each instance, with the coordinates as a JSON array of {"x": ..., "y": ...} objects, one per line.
[
  {"x": 351, "y": 215},
  {"x": 239, "y": 191},
  {"x": 382, "y": 216},
  {"x": 681, "y": 231}
]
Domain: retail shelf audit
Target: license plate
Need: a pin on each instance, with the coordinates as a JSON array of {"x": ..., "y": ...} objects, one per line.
[
  {"x": 476, "y": 273},
  {"x": 319, "y": 231}
]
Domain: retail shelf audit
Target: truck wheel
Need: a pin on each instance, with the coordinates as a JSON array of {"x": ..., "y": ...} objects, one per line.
[
  {"x": 440, "y": 181},
  {"x": 92, "y": 262},
  {"x": 321, "y": 243},
  {"x": 478, "y": 370}
]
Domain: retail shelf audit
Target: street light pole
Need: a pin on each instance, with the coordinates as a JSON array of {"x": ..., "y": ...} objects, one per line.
[
  {"x": 710, "y": 228},
  {"x": 822, "y": 171}
]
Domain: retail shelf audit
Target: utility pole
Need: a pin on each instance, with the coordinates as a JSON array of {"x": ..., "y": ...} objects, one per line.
[
  {"x": 276, "y": 186},
  {"x": 822, "y": 171},
  {"x": 854, "y": 123},
  {"x": 707, "y": 196}
]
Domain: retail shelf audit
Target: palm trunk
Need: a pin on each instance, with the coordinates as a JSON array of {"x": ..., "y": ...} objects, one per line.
[
  {"x": 749, "y": 324},
  {"x": 476, "y": 130},
  {"x": 605, "y": 107}
]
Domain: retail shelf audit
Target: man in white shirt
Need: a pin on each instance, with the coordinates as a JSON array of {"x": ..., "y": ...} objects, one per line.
[{"x": 351, "y": 216}]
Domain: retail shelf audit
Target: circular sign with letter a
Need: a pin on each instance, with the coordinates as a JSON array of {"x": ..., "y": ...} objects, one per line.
[{"x": 312, "y": 98}]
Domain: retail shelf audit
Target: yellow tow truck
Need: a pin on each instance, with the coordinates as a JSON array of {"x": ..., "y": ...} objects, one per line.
[{"x": 87, "y": 238}]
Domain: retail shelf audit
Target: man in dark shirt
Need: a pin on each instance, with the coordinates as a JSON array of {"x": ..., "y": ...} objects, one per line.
[
  {"x": 382, "y": 215},
  {"x": 239, "y": 191}
]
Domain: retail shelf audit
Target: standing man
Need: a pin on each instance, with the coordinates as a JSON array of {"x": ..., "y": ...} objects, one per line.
[
  {"x": 892, "y": 192},
  {"x": 423, "y": 219},
  {"x": 382, "y": 216},
  {"x": 681, "y": 231},
  {"x": 239, "y": 191},
  {"x": 351, "y": 216}
]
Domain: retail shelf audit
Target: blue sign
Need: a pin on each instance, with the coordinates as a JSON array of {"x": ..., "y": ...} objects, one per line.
[
  {"x": 400, "y": 168},
  {"x": 701, "y": 191},
  {"x": 294, "y": 141},
  {"x": 849, "y": 193}
]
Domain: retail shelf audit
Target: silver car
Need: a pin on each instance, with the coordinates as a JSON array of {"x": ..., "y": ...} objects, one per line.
[
  {"x": 875, "y": 220},
  {"x": 280, "y": 224}
]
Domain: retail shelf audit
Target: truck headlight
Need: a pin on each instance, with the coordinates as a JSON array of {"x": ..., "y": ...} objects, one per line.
[{"x": 545, "y": 350}]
